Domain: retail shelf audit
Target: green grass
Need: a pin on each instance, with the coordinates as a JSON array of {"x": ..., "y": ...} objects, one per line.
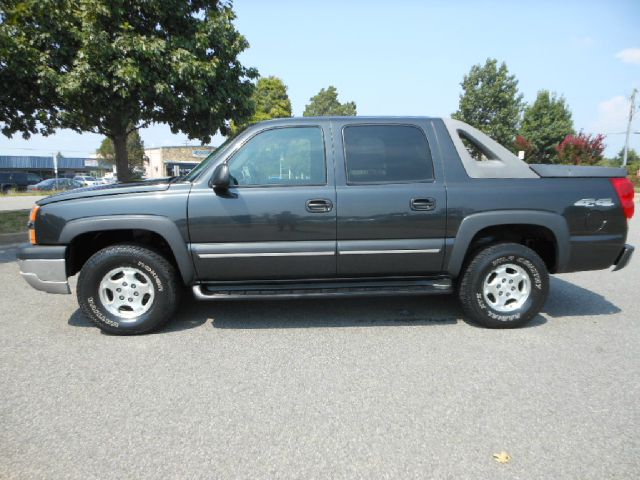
[
  {"x": 13, "y": 193},
  {"x": 14, "y": 221}
]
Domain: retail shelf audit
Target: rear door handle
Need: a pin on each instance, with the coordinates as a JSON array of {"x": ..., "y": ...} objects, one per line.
[
  {"x": 423, "y": 204},
  {"x": 319, "y": 205}
]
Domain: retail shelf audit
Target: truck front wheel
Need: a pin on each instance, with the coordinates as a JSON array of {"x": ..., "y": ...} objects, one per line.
[
  {"x": 128, "y": 289},
  {"x": 504, "y": 286}
]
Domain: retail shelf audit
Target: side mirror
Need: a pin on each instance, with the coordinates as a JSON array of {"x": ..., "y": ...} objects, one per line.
[{"x": 221, "y": 177}]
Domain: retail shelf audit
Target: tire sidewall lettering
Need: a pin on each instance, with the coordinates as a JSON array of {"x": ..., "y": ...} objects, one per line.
[
  {"x": 152, "y": 272},
  {"x": 101, "y": 316}
]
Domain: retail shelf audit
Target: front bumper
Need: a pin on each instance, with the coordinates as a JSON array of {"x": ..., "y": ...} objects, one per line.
[
  {"x": 624, "y": 257},
  {"x": 44, "y": 267}
]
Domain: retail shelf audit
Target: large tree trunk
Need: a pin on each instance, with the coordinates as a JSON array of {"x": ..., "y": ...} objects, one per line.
[{"x": 122, "y": 157}]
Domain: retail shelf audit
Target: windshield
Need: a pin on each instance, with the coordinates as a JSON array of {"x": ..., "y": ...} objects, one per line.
[{"x": 213, "y": 156}]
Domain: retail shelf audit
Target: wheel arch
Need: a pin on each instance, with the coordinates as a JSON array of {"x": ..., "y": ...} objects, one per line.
[
  {"x": 473, "y": 227},
  {"x": 163, "y": 228}
]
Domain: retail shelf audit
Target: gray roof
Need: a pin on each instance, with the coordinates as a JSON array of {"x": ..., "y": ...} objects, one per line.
[
  {"x": 354, "y": 119},
  {"x": 37, "y": 163}
]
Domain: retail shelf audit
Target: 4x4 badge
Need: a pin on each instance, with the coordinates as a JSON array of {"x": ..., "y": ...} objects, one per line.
[{"x": 592, "y": 202}]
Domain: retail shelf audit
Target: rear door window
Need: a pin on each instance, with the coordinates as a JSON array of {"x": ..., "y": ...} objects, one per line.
[{"x": 386, "y": 154}]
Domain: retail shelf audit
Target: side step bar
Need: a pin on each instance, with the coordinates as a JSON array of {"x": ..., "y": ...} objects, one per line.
[{"x": 337, "y": 288}]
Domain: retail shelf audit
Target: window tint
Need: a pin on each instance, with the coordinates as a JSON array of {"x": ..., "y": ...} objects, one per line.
[
  {"x": 283, "y": 156},
  {"x": 386, "y": 154}
]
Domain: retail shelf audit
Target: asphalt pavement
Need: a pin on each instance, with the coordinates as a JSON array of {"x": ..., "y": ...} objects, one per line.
[{"x": 361, "y": 388}]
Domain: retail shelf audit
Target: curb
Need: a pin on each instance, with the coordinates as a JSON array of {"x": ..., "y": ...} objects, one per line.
[{"x": 9, "y": 238}]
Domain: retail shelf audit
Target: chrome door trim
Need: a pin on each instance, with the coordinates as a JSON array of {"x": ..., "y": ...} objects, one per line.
[
  {"x": 263, "y": 254},
  {"x": 301, "y": 248},
  {"x": 380, "y": 252}
]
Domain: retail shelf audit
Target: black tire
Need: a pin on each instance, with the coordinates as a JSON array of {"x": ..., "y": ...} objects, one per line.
[
  {"x": 478, "y": 305},
  {"x": 154, "y": 267}
]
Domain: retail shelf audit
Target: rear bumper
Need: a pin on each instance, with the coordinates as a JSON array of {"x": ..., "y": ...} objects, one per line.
[
  {"x": 624, "y": 257},
  {"x": 44, "y": 268}
]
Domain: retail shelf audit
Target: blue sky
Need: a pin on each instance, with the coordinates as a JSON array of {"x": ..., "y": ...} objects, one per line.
[{"x": 408, "y": 57}]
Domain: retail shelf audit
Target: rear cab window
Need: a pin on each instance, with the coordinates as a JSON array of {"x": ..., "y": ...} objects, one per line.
[{"x": 386, "y": 154}]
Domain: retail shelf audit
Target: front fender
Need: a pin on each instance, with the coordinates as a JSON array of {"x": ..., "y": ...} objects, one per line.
[{"x": 153, "y": 223}]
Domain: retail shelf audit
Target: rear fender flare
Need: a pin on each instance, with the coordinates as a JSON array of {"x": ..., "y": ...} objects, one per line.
[{"x": 473, "y": 224}]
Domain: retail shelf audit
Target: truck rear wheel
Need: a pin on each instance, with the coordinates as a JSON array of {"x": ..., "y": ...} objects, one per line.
[
  {"x": 128, "y": 289},
  {"x": 504, "y": 286}
]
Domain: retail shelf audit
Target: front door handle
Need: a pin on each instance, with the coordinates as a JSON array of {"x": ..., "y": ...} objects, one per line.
[
  {"x": 423, "y": 204},
  {"x": 319, "y": 205}
]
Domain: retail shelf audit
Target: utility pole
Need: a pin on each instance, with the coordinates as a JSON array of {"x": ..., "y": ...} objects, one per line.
[
  {"x": 55, "y": 169},
  {"x": 626, "y": 141}
]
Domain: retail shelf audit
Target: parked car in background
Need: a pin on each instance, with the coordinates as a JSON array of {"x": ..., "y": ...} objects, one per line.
[
  {"x": 53, "y": 184},
  {"x": 86, "y": 180},
  {"x": 17, "y": 181},
  {"x": 106, "y": 180}
]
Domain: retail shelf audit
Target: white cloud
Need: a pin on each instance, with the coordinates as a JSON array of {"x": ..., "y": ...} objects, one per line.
[
  {"x": 612, "y": 118},
  {"x": 612, "y": 115},
  {"x": 629, "y": 55}
]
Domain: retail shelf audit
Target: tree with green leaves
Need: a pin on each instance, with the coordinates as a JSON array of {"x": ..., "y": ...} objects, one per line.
[
  {"x": 633, "y": 163},
  {"x": 490, "y": 101},
  {"x": 115, "y": 66},
  {"x": 135, "y": 151},
  {"x": 545, "y": 124},
  {"x": 326, "y": 103},
  {"x": 632, "y": 156},
  {"x": 269, "y": 100}
]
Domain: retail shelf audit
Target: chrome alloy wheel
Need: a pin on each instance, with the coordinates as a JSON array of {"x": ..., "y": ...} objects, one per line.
[
  {"x": 506, "y": 288},
  {"x": 126, "y": 292}
]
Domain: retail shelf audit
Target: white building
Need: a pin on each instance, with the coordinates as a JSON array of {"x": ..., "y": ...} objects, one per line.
[{"x": 170, "y": 161}]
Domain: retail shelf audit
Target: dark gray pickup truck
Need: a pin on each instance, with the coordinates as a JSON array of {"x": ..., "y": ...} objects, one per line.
[{"x": 334, "y": 206}]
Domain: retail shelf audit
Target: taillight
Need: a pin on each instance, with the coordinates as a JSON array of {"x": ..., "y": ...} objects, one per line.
[
  {"x": 32, "y": 224},
  {"x": 624, "y": 189}
]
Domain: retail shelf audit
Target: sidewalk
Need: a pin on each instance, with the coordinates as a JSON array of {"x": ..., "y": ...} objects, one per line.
[{"x": 18, "y": 202}]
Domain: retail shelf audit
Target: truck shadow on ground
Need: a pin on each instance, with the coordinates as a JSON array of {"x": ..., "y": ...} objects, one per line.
[
  {"x": 311, "y": 313},
  {"x": 565, "y": 299},
  {"x": 334, "y": 313},
  {"x": 569, "y": 300}
]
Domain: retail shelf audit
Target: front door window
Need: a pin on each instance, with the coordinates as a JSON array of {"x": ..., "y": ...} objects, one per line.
[{"x": 281, "y": 156}]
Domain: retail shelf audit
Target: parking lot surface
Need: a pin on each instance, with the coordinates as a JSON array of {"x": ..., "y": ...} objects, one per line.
[{"x": 351, "y": 388}]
